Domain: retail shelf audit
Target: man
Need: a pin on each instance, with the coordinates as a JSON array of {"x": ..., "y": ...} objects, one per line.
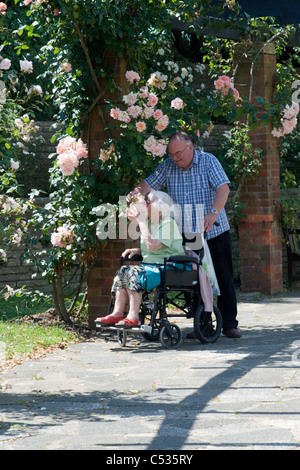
[{"x": 196, "y": 179}]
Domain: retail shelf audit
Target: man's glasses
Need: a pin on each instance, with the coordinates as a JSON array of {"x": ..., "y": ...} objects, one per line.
[{"x": 178, "y": 154}]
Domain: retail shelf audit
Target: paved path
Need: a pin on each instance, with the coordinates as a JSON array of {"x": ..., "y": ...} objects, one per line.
[{"x": 234, "y": 394}]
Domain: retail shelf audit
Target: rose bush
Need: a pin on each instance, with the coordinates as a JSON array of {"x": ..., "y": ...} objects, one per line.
[{"x": 52, "y": 57}]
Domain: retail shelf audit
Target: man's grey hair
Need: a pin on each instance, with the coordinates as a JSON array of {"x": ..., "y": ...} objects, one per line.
[{"x": 180, "y": 135}]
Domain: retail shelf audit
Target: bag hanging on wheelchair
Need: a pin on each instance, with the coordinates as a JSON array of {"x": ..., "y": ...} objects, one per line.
[
  {"x": 150, "y": 277},
  {"x": 208, "y": 265}
]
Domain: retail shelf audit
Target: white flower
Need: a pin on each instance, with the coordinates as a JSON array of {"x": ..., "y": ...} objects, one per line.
[
  {"x": 177, "y": 103},
  {"x": 5, "y": 64},
  {"x": 130, "y": 99},
  {"x": 3, "y": 256},
  {"x": 66, "y": 66},
  {"x": 200, "y": 68},
  {"x": 35, "y": 90},
  {"x": 26, "y": 66},
  {"x": 14, "y": 165}
]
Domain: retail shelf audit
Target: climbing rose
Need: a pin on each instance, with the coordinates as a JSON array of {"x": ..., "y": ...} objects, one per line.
[
  {"x": 67, "y": 162},
  {"x": 70, "y": 151},
  {"x": 132, "y": 76},
  {"x": 5, "y": 64},
  {"x": 66, "y": 66},
  {"x": 26, "y": 66},
  {"x": 289, "y": 120},
  {"x": 140, "y": 126},
  {"x": 62, "y": 237},
  {"x": 3, "y": 8},
  {"x": 162, "y": 123},
  {"x": 224, "y": 84},
  {"x": 177, "y": 103}
]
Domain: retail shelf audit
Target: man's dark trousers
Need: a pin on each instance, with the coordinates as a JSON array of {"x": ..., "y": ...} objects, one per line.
[{"x": 221, "y": 253}]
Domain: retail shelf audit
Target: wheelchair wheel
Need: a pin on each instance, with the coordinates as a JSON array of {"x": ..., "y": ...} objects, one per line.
[
  {"x": 122, "y": 337},
  {"x": 145, "y": 318},
  {"x": 170, "y": 336},
  {"x": 207, "y": 325}
]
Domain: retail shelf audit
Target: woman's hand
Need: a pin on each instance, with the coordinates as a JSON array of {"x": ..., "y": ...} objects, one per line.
[
  {"x": 138, "y": 211},
  {"x": 129, "y": 252}
]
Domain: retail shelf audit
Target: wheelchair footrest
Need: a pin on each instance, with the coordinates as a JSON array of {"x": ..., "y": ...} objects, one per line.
[{"x": 135, "y": 329}]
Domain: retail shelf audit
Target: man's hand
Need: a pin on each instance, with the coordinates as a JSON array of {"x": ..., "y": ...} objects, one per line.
[{"x": 209, "y": 220}]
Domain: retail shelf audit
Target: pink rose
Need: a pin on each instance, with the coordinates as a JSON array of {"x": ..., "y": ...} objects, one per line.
[
  {"x": 236, "y": 94},
  {"x": 132, "y": 76},
  {"x": 162, "y": 123},
  {"x": 223, "y": 84},
  {"x": 67, "y": 162},
  {"x": 66, "y": 66},
  {"x": 219, "y": 84},
  {"x": 277, "y": 132},
  {"x": 140, "y": 126},
  {"x": 227, "y": 81},
  {"x": 157, "y": 114},
  {"x": 81, "y": 149},
  {"x": 291, "y": 111},
  {"x": 114, "y": 113},
  {"x": 65, "y": 144},
  {"x": 152, "y": 100},
  {"x": 289, "y": 125},
  {"x": 177, "y": 103},
  {"x": 156, "y": 147},
  {"x": 3, "y": 8},
  {"x": 147, "y": 112},
  {"x": 130, "y": 99},
  {"x": 5, "y": 64},
  {"x": 62, "y": 237},
  {"x": 134, "y": 111},
  {"x": 158, "y": 80},
  {"x": 144, "y": 92}
]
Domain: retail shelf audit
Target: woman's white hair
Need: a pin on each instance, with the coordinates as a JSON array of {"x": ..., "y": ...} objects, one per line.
[{"x": 166, "y": 205}]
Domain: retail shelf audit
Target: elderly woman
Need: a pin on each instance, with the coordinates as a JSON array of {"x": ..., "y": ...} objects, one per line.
[{"x": 160, "y": 238}]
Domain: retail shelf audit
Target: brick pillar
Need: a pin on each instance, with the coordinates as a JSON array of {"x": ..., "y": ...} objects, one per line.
[
  {"x": 98, "y": 128},
  {"x": 260, "y": 248},
  {"x": 96, "y": 133}
]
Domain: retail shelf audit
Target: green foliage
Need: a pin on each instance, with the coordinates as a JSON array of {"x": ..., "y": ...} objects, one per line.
[{"x": 68, "y": 43}]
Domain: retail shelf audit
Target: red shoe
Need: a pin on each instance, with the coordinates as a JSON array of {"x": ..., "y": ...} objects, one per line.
[
  {"x": 127, "y": 323},
  {"x": 109, "y": 320}
]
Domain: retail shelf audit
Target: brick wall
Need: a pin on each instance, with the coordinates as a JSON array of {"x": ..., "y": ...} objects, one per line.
[
  {"x": 101, "y": 276},
  {"x": 260, "y": 246}
]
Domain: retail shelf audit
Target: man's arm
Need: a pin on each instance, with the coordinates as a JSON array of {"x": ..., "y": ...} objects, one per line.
[
  {"x": 222, "y": 194},
  {"x": 142, "y": 188}
]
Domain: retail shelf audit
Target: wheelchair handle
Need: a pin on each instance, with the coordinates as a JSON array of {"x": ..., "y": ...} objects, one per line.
[
  {"x": 182, "y": 259},
  {"x": 136, "y": 257}
]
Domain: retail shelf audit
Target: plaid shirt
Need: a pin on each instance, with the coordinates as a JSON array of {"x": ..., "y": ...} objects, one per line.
[{"x": 193, "y": 189}]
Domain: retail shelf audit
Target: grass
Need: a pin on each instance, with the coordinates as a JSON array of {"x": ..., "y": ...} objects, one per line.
[
  {"x": 23, "y": 339},
  {"x": 20, "y": 340},
  {"x": 16, "y": 307}
]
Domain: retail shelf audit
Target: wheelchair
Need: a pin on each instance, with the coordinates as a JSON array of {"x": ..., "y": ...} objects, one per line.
[{"x": 179, "y": 288}]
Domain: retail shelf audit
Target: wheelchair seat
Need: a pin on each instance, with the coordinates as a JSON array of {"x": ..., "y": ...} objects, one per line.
[{"x": 179, "y": 272}]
